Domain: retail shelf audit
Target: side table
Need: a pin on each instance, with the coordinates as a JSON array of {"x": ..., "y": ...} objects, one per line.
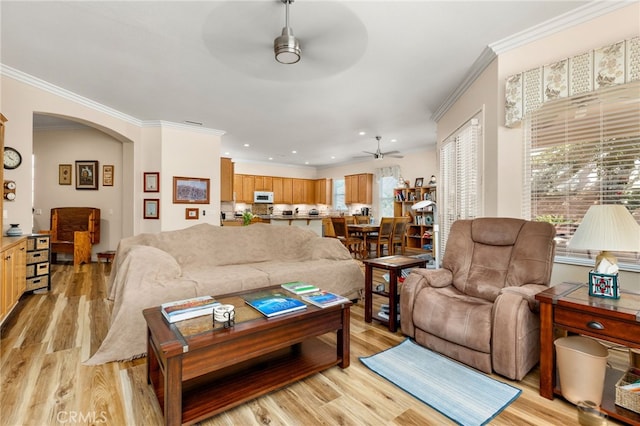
[
  {"x": 568, "y": 306},
  {"x": 393, "y": 264}
]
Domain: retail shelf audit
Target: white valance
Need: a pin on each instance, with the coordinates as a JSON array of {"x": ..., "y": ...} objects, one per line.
[{"x": 391, "y": 171}]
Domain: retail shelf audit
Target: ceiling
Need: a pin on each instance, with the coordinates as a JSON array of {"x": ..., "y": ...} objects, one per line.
[{"x": 379, "y": 67}]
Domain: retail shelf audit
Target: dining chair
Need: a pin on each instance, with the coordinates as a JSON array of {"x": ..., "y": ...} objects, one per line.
[
  {"x": 399, "y": 233},
  {"x": 362, "y": 219},
  {"x": 351, "y": 242},
  {"x": 384, "y": 236}
]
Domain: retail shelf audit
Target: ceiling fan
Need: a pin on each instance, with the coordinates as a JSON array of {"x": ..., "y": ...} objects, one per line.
[{"x": 379, "y": 155}]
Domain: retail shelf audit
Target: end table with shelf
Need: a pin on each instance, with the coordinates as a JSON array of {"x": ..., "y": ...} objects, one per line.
[
  {"x": 568, "y": 306},
  {"x": 395, "y": 265}
]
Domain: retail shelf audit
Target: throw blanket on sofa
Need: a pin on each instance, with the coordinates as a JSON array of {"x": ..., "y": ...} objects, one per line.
[{"x": 151, "y": 269}]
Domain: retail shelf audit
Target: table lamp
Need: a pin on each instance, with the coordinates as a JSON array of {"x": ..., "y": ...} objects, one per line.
[
  {"x": 436, "y": 228},
  {"x": 607, "y": 228}
]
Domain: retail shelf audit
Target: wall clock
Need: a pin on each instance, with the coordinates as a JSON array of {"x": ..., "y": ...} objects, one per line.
[{"x": 12, "y": 158}]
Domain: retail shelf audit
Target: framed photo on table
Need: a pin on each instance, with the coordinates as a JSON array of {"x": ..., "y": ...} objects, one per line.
[
  {"x": 64, "y": 174},
  {"x": 152, "y": 208},
  {"x": 188, "y": 190},
  {"x": 419, "y": 182},
  {"x": 107, "y": 175},
  {"x": 152, "y": 182},
  {"x": 86, "y": 175}
]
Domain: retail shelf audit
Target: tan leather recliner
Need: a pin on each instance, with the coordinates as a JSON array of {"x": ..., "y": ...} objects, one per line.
[{"x": 479, "y": 308}]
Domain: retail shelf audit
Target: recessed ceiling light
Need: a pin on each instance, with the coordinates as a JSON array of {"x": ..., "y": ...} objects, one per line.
[
  {"x": 306, "y": 162},
  {"x": 246, "y": 145},
  {"x": 270, "y": 158},
  {"x": 333, "y": 157},
  {"x": 394, "y": 140},
  {"x": 362, "y": 133},
  {"x": 226, "y": 153},
  {"x": 294, "y": 152}
]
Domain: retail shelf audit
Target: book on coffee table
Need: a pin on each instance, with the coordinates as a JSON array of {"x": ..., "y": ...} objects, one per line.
[
  {"x": 324, "y": 299},
  {"x": 299, "y": 287},
  {"x": 273, "y": 304},
  {"x": 188, "y": 308}
]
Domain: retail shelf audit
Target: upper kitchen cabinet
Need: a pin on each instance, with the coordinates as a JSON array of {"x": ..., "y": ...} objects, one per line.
[
  {"x": 324, "y": 188},
  {"x": 358, "y": 188},
  {"x": 282, "y": 190},
  {"x": 226, "y": 179},
  {"x": 243, "y": 185},
  {"x": 263, "y": 183}
]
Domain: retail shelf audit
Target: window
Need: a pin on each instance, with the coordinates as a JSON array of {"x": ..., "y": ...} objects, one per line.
[
  {"x": 338, "y": 195},
  {"x": 459, "y": 195},
  {"x": 582, "y": 151},
  {"x": 387, "y": 184}
]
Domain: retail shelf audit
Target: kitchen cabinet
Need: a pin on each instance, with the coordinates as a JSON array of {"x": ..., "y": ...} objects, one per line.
[
  {"x": 248, "y": 187},
  {"x": 13, "y": 264},
  {"x": 323, "y": 189},
  {"x": 263, "y": 183},
  {"x": 287, "y": 190},
  {"x": 309, "y": 191},
  {"x": 226, "y": 179},
  {"x": 278, "y": 192},
  {"x": 358, "y": 188},
  {"x": 298, "y": 186}
]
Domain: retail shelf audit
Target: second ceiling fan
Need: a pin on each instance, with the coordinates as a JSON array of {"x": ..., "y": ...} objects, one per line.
[{"x": 379, "y": 155}]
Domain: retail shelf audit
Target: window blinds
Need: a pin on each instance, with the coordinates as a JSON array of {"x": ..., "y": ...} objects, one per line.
[
  {"x": 582, "y": 151},
  {"x": 459, "y": 197}
]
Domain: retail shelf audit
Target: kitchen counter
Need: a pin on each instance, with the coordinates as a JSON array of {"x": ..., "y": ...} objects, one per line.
[
  {"x": 313, "y": 223},
  {"x": 293, "y": 217}
]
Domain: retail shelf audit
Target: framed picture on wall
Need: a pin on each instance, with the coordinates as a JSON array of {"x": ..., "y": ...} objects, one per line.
[
  {"x": 64, "y": 174},
  {"x": 86, "y": 175},
  {"x": 107, "y": 175},
  {"x": 188, "y": 190},
  {"x": 152, "y": 182},
  {"x": 191, "y": 213},
  {"x": 152, "y": 208}
]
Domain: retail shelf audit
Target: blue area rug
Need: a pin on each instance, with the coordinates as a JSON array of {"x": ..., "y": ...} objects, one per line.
[{"x": 466, "y": 396}]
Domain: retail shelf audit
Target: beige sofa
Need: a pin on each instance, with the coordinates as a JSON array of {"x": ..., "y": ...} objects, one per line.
[{"x": 151, "y": 269}]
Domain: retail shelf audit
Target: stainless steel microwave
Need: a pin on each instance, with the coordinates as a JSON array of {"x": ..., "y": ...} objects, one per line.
[{"x": 262, "y": 197}]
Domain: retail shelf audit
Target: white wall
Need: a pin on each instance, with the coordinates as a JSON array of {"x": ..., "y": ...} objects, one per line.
[
  {"x": 502, "y": 155},
  {"x": 55, "y": 147}
]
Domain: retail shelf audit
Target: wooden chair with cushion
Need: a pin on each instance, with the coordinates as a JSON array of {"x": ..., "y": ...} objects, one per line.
[
  {"x": 74, "y": 230},
  {"x": 353, "y": 243},
  {"x": 399, "y": 233},
  {"x": 384, "y": 236}
]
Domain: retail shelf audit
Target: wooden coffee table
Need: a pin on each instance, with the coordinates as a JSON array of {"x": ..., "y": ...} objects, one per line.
[{"x": 198, "y": 369}]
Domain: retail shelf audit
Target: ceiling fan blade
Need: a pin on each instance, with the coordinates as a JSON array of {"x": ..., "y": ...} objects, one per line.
[
  {"x": 370, "y": 153},
  {"x": 394, "y": 156},
  {"x": 391, "y": 152}
]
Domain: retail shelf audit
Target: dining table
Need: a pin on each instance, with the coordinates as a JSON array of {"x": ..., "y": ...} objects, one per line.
[{"x": 367, "y": 231}]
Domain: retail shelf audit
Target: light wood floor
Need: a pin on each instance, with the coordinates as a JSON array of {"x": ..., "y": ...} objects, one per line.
[{"x": 44, "y": 383}]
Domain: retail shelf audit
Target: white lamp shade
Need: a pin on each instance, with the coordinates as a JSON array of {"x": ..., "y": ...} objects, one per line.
[
  {"x": 607, "y": 227},
  {"x": 422, "y": 204}
]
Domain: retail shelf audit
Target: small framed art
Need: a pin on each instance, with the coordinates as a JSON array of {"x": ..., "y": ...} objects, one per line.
[
  {"x": 191, "y": 214},
  {"x": 86, "y": 175},
  {"x": 152, "y": 208},
  {"x": 419, "y": 182},
  {"x": 190, "y": 190},
  {"x": 64, "y": 174},
  {"x": 152, "y": 182},
  {"x": 107, "y": 175}
]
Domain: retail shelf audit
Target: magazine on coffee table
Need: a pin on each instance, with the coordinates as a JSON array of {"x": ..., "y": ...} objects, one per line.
[
  {"x": 188, "y": 308},
  {"x": 273, "y": 304},
  {"x": 299, "y": 287},
  {"x": 324, "y": 299}
]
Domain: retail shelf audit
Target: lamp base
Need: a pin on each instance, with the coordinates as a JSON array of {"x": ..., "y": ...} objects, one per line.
[{"x": 604, "y": 285}]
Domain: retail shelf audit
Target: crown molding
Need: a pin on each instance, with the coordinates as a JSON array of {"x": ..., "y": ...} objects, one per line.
[
  {"x": 577, "y": 16},
  {"x": 25, "y": 78}
]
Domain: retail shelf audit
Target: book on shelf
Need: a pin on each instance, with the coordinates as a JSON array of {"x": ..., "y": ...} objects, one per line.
[
  {"x": 299, "y": 287},
  {"x": 273, "y": 304},
  {"x": 188, "y": 308},
  {"x": 324, "y": 299}
]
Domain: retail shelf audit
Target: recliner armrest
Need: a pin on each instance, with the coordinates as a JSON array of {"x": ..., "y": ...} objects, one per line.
[
  {"x": 527, "y": 292},
  {"x": 435, "y": 277}
]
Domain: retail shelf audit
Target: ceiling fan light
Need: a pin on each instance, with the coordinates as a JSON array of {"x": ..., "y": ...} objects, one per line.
[{"x": 286, "y": 47}]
